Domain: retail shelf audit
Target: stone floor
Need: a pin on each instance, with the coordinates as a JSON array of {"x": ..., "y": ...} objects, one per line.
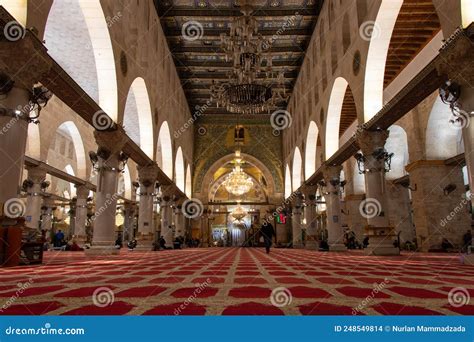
[{"x": 239, "y": 281}]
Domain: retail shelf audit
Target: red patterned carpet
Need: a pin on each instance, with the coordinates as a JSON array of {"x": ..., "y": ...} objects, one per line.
[{"x": 238, "y": 281}]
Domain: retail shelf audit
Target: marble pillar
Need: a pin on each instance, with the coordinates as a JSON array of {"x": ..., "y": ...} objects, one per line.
[
  {"x": 356, "y": 221},
  {"x": 332, "y": 185},
  {"x": 80, "y": 235},
  {"x": 374, "y": 207},
  {"x": 36, "y": 176},
  {"x": 129, "y": 221},
  {"x": 166, "y": 213},
  {"x": 296, "y": 224},
  {"x": 108, "y": 163},
  {"x": 48, "y": 208},
  {"x": 13, "y": 133},
  {"x": 312, "y": 241},
  {"x": 179, "y": 221},
  {"x": 205, "y": 228},
  {"x": 147, "y": 177}
]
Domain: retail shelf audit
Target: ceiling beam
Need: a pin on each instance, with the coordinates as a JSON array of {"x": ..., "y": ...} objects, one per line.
[
  {"x": 203, "y": 50},
  {"x": 222, "y": 13},
  {"x": 216, "y": 32}
]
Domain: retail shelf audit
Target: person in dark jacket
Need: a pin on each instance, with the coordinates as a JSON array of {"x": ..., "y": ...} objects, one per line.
[{"x": 267, "y": 232}]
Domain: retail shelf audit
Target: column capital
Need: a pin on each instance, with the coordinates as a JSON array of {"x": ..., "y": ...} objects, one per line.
[
  {"x": 111, "y": 141},
  {"x": 332, "y": 172},
  {"x": 456, "y": 57},
  {"x": 82, "y": 191},
  {"x": 370, "y": 141},
  {"x": 147, "y": 175},
  {"x": 36, "y": 174}
]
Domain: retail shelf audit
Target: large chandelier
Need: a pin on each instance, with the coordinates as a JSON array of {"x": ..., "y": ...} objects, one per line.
[
  {"x": 243, "y": 92},
  {"x": 238, "y": 182}
]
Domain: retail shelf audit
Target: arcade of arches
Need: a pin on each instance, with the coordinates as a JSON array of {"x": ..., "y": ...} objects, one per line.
[{"x": 113, "y": 132}]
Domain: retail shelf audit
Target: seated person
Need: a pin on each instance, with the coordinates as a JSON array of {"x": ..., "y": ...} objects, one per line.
[
  {"x": 132, "y": 244},
  {"x": 445, "y": 245}
]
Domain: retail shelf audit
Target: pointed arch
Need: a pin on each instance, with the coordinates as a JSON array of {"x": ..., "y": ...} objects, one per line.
[
  {"x": 18, "y": 9},
  {"x": 179, "y": 169},
  {"x": 164, "y": 150},
  {"x": 138, "y": 119},
  {"x": 397, "y": 143},
  {"x": 377, "y": 56},
  {"x": 77, "y": 37},
  {"x": 333, "y": 120},
  {"x": 297, "y": 169},
  {"x": 189, "y": 182},
  {"x": 443, "y": 139},
  {"x": 311, "y": 150},
  {"x": 288, "y": 186}
]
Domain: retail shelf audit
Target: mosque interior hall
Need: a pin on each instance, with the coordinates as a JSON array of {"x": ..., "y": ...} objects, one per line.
[{"x": 236, "y": 157}]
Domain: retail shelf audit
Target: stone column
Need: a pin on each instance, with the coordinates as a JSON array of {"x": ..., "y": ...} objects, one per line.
[
  {"x": 179, "y": 221},
  {"x": 310, "y": 215},
  {"x": 400, "y": 217},
  {"x": 205, "y": 228},
  {"x": 21, "y": 67},
  {"x": 80, "y": 236},
  {"x": 47, "y": 217},
  {"x": 167, "y": 215},
  {"x": 296, "y": 225},
  {"x": 108, "y": 162},
  {"x": 356, "y": 221},
  {"x": 332, "y": 184},
  {"x": 374, "y": 207},
  {"x": 147, "y": 177},
  {"x": 440, "y": 206},
  {"x": 128, "y": 224},
  {"x": 36, "y": 177}
]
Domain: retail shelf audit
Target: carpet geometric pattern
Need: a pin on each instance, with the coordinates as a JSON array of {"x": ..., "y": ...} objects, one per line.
[{"x": 238, "y": 281}]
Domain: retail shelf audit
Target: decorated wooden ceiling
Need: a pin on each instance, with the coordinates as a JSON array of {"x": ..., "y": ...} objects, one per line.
[{"x": 200, "y": 61}]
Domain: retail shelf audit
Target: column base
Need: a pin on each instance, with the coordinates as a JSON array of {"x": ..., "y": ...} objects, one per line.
[
  {"x": 337, "y": 247},
  {"x": 144, "y": 241},
  {"x": 298, "y": 245},
  {"x": 312, "y": 245},
  {"x": 80, "y": 239},
  {"x": 101, "y": 250},
  {"x": 382, "y": 251}
]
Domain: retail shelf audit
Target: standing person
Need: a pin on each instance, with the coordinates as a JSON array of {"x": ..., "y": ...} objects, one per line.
[
  {"x": 467, "y": 239},
  {"x": 58, "y": 238},
  {"x": 267, "y": 232}
]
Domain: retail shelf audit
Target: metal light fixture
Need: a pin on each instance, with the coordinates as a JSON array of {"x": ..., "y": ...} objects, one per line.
[
  {"x": 39, "y": 98},
  {"x": 239, "y": 213},
  {"x": 243, "y": 93}
]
